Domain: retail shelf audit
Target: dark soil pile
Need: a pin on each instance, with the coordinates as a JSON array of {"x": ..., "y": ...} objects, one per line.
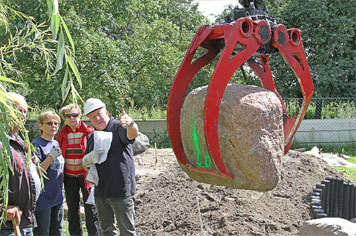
[{"x": 167, "y": 199}]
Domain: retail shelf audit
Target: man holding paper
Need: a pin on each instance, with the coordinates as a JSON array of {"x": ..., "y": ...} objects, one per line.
[{"x": 116, "y": 186}]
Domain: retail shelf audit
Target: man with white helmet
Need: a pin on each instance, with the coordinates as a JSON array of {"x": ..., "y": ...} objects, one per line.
[{"x": 114, "y": 194}]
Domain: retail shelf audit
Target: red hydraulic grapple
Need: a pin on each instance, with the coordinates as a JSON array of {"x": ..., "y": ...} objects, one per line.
[{"x": 252, "y": 35}]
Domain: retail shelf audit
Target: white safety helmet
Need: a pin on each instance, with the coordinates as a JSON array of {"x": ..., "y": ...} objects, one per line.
[{"x": 92, "y": 104}]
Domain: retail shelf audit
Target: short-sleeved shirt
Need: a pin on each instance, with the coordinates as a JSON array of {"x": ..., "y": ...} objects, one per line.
[
  {"x": 52, "y": 194},
  {"x": 117, "y": 173}
]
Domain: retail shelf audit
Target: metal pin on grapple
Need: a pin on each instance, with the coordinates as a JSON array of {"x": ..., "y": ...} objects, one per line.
[{"x": 251, "y": 35}]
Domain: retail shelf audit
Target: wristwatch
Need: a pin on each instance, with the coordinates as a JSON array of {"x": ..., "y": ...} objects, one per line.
[{"x": 131, "y": 124}]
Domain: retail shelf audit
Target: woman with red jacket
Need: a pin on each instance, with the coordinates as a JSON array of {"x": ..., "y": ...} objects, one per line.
[{"x": 73, "y": 141}]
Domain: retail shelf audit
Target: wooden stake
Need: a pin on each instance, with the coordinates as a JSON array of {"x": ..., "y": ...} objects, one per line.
[
  {"x": 16, "y": 228},
  {"x": 200, "y": 219},
  {"x": 156, "y": 158}
]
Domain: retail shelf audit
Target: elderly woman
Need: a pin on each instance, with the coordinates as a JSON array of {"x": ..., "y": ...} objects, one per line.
[
  {"x": 49, "y": 206},
  {"x": 22, "y": 187},
  {"x": 73, "y": 142}
]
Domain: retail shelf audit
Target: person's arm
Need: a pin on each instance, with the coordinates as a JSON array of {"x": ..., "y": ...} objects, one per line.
[
  {"x": 129, "y": 123},
  {"x": 132, "y": 131},
  {"x": 45, "y": 164},
  {"x": 13, "y": 213},
  {"x": 51, "y": 157}
]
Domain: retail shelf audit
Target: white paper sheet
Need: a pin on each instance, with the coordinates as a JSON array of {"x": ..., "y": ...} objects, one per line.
[{"x": 102, "y": 141}]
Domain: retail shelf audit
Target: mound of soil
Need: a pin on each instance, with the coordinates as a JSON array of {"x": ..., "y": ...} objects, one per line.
[{"x": 168, "y": 202}]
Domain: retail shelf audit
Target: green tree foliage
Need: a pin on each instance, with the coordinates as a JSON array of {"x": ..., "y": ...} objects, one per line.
[
  {"x": 23, "y": 43},
  {"x": 329, "y": 38},
  {"x": 127, "y": 51},
  {"x": 329, "y": 35},
  {"x": 33, "y": 66}
]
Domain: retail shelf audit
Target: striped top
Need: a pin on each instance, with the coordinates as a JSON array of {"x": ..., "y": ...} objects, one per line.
[{"x": 73, "y": 154}]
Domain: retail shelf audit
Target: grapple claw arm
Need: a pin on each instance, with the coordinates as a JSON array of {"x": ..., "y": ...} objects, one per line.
[
  {"x": 183, "y": 78},
  {"x": 243, "y": 39},
  {"x": 243, "y": 33},
  {"x": 289, "y": 44},
  {"x": 265, "y": 76}
]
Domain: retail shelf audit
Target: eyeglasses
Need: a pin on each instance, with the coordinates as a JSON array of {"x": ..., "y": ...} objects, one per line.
[
  {"x": 50, "y": 123},
  {"x": 74, "y": 115}
]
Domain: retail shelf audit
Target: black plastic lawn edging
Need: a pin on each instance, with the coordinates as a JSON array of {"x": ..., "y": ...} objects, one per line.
[{"x": 334, "y": 198}]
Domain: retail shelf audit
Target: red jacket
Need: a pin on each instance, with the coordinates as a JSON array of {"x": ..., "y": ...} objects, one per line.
[{"x": 62, "y": 139}]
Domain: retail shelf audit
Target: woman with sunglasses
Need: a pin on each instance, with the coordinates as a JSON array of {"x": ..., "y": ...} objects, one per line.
[
  {"x": 49, "y": 206},
  {"x": 73, "y": 141}
]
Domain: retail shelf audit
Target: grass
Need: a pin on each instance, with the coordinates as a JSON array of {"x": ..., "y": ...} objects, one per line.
[
  {"x": 65, "y": 227},
  {"x": 348, "y": 172},
  {"x": 65, "y": 231}
]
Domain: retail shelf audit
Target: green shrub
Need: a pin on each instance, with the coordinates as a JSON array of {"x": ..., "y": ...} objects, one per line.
[
  {"x": 145, "y": 114},
  {"x": 331, "y": 108},
  {"x": 162, "y": 140}
]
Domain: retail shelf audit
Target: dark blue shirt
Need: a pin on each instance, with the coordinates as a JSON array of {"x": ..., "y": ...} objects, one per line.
[
  {"x": 117, "y": 173},
  {"x": 52, "y": 194}
]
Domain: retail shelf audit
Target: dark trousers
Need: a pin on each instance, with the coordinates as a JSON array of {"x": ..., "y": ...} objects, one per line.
[
  {"x": 49, "y": 221},
  {"x": 119, "y": 210},
  {"x": 9, "y": 232},
  {"x": 72, "y": 186}
]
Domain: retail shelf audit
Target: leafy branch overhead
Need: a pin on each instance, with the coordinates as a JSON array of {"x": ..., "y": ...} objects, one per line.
[
  {"x": 21, "y": 40},
  {"x": 20, "y": 37},
  {"x": 59, "y": 31},
  {"x": 129, "y": 51}
]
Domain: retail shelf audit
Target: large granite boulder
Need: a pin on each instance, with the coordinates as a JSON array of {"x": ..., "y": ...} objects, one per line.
[
  {"x": 141, "y": 144},
  {"x": 328, "y": 226},
  {"x": 250, "y": 131}
]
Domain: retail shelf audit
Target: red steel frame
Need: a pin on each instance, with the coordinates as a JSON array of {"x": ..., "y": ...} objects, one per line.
[{"x": 250, "y": 35}]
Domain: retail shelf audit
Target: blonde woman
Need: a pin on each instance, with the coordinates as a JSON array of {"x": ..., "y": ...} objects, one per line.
[{"x": 49, "y": 206}]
